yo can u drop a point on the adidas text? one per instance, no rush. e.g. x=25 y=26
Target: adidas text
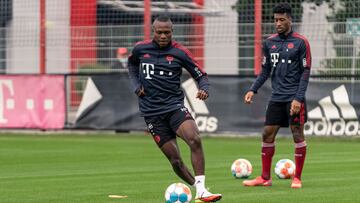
x=334 y=116
x=337 y=128
x=207 y=123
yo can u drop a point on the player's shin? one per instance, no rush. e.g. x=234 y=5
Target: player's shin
x=267 y=152
x=300 y=154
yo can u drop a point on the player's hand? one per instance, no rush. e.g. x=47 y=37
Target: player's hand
x=295 y=107
x=140 y=92
x=202 y=95
x=248 y=97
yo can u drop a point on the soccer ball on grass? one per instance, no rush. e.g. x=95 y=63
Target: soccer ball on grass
x=178 y=193
x=241 y=168
x=285 y=169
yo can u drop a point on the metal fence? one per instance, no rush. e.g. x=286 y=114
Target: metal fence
x=84 y=38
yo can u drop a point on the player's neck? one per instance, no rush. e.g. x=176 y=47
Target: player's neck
x=286 y=34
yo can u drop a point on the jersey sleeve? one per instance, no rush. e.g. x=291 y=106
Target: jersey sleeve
x=265 y=71
x=305 y=56
x=193 y=67
x=133 y=66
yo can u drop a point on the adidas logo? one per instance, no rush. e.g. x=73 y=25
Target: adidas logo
x=334 y=116
x=198 y=108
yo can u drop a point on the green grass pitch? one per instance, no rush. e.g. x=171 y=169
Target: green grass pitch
x=69 y=168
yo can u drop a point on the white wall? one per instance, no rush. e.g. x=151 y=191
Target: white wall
x=221 y=39
x=23 y=33
x=23 y=40
x=316 y=28
x=58 y=36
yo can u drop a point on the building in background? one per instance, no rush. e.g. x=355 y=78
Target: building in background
x=47 y=36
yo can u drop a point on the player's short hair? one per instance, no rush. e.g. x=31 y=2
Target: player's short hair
x=283 y=8
x=162 y=18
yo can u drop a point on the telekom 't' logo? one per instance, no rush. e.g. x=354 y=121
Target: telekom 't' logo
x=5 y=84
x=148 y=69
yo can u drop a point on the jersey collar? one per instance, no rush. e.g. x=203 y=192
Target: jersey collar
x=283 y=36
x=158 y=46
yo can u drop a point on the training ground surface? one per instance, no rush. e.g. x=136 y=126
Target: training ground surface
x=87 y=168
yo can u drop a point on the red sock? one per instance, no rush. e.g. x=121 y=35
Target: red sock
x=267 y=152
x=300 y=153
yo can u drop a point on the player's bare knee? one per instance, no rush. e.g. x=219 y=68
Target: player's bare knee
x=298 y=138
x=195 y=142
x=269 y=134
x=268 y=138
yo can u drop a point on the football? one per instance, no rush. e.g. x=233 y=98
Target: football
x=178 y=193
x=241 y=168
x=285 y=169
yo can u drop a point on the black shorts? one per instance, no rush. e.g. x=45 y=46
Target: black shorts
x=163 y=127
x=278 y=113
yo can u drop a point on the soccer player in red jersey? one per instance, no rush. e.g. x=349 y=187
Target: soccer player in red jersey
x=287 y=56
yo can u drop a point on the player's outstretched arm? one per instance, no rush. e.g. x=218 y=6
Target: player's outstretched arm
x=204 y=87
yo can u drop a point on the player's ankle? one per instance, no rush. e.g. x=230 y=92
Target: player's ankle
x=203 y=192
x=265 y=177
